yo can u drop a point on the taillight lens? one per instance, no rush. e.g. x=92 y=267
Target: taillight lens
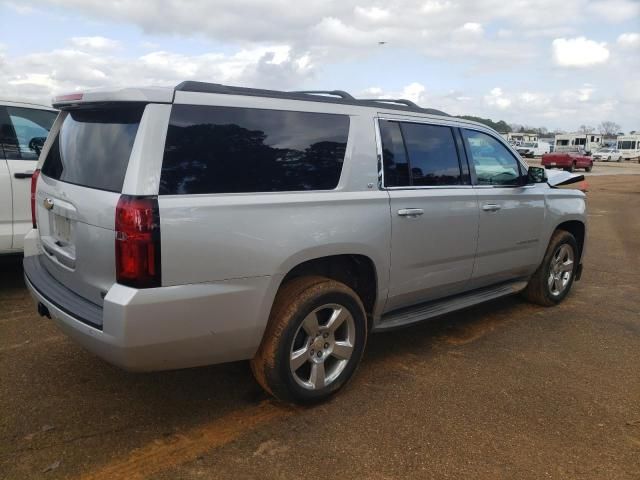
x=138 y=242
x=34 y=184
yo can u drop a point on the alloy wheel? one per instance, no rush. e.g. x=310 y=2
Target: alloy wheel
x=561 y=270
x=322 y=346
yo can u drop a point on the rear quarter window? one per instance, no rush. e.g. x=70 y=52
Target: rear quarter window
x=93 y=146
x=233 y=150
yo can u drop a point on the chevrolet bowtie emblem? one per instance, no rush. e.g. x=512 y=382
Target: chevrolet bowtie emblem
x=48 y=203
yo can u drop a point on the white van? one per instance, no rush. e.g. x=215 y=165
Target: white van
x=533 y=149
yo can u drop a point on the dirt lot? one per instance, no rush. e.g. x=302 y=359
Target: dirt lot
x=626 y=167
x=504 y=390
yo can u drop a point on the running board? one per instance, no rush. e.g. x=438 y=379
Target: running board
x=424 y=311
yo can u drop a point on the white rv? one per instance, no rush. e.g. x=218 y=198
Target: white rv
x=589 y=142
x=629 y=145
x=517 y=138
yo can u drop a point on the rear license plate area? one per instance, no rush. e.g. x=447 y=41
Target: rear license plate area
x=62 y=229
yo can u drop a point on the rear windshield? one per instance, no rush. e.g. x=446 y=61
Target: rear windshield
x=239 y=150
x=93 y=146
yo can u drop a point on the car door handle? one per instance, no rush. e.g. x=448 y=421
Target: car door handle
x=491 y=207
x=23 y=174
x=410 y=212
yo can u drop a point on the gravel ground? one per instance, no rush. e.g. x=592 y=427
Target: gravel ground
x=502 y=390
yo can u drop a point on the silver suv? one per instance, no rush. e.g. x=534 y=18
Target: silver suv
x=205 y=223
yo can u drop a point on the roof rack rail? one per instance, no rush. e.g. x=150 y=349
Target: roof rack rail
x=400 y=101
x=324 y=96
x=335 y=93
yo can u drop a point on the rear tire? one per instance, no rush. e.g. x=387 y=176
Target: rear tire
x=553 y=280
x=572 y=167
x=588 y=169
x=313 y=342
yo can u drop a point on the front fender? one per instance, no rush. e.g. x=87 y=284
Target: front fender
x=562 y=205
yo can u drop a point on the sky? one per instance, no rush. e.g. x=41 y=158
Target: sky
x=553 y=63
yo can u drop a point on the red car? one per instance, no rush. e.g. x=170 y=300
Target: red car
x=567 y=160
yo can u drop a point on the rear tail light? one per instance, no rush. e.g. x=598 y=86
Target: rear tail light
x=34 y=183
x=138 y=242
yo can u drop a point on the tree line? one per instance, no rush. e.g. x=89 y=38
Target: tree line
x=606 y=128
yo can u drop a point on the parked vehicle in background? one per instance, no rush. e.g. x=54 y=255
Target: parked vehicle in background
x=608 y=154
x=23 y=130
x=518 y=138
x=568 y=160
x=206 y=223
x=533 y=149
x=629 y=145
x=589 y=142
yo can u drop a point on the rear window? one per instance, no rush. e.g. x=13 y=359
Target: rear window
x=419 y=155
x=94 y=146
x=232 y=150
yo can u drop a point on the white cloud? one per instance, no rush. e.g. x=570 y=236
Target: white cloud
x=334 y=32
x=372 y=92
x=39 y=76
x=431 y=27
x=579 y=52
x=534 y=99
x=615 y=11
x=496 y=98
x=581 y=94
x=415 y=92
x=472 y=27
x=629 y=40
x=435 y=6
x=95 y=43
x=373 y=14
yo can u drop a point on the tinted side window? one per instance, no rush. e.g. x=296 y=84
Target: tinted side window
x=394 y=157
x=31 y=127
x=231 y=150
x=432 y=154
x=493 y=163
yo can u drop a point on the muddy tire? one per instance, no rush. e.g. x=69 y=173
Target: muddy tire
x=551 y=283
x=313 y=342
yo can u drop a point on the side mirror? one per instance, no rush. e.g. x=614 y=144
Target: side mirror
x=536 y=175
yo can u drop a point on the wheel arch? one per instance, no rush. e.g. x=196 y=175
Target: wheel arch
x=356 y=270
x=578 y=230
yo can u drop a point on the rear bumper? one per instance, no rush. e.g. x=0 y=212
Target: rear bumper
x=162 y=328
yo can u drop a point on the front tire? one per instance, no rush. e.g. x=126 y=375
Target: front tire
x=313 y=342
x=589 y=168
x=554 y=278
